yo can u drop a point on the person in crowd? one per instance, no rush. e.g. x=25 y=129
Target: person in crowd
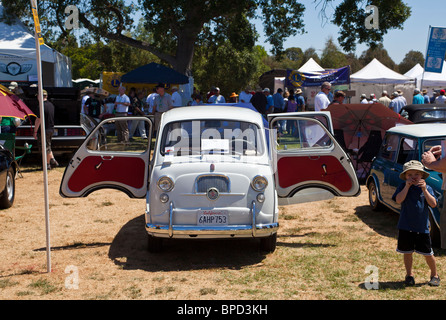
x=245 y=96
x=269 y=101
x=259 y=102
x=321 y=100
x=373 y=98
x=417 y=97
x=415 y=198
x=291 y=106
x=149 y=101
x=48 y=110
x=435 y=94
x=217 y=97
x=401 y=94
x=198 y=100
x=177 y=101
x=210 y=93
x=138 y=111
x=87 y=96
x=397 y=102
x=161 y=103
x=384 y=99
x=122 y=103
x=300 y=100
x=233 y=98
x=339 y=97
x=441 y=98
x=94 y=107
x=279 y=102
x=364 y=99
x=425 y=96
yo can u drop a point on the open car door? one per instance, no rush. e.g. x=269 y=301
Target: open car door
x=103 y=161
x=309 y=164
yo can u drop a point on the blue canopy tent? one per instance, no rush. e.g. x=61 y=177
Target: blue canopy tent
x=154 y=73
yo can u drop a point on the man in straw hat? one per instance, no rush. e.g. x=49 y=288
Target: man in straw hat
x=415 y=197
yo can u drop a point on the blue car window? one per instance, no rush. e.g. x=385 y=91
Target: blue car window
x=389 y=147
x=408 y=150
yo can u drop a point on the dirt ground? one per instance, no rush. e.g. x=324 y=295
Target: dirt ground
x=99 y=251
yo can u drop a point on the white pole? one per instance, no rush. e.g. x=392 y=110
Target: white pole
x=39 y=41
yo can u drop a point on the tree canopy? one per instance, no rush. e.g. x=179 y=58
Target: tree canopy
x=176 y=27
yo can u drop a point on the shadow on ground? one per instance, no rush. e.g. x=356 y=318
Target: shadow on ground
x=129 y=250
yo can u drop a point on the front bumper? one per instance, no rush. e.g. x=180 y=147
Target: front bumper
x=228 y=231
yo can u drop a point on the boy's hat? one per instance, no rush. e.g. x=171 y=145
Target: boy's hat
x=413 y=165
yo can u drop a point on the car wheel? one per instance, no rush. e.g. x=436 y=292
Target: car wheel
x=268 y=244
x=8 y=194
x=155 y=245
x=373 y=197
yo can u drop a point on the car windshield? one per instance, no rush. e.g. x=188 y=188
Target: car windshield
x=213 y=136
x=430 y=114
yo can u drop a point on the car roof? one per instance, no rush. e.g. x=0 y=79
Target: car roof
x=421 y=130
x=415 y=107
x=212 y=112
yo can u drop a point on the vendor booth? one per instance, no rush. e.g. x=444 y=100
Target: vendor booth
x=148 y=76
x=18 y=57
x=376 y=77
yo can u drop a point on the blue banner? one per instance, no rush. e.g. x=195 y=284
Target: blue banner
x=305 y=79
x=436 y=50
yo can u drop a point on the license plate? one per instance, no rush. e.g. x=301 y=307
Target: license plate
x=212 y=217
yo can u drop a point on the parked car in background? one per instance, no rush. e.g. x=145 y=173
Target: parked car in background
x=402 y=144
x=71 y=128
x=422 y=113
x=216 y=171
x=8 y=169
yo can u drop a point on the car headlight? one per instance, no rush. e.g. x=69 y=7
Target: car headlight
x=259 y=183
x=165 y=183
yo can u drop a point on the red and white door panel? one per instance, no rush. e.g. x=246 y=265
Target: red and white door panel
x=309 y=164
x=106 y=160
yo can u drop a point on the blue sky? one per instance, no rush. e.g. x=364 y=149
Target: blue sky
x=397 y=42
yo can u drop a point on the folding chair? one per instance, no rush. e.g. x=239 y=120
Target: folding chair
x=8 y=141
x=368 y=151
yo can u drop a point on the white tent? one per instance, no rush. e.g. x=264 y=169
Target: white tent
x=376 y=72
x=433 y=79
x=18 y=56
x=311 y=66
x=416 y=73
x=375 y=78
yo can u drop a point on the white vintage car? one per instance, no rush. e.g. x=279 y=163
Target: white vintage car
x=216 y=171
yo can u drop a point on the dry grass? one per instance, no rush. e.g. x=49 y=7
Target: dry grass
x=323 y=251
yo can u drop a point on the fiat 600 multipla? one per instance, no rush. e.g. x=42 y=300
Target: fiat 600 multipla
x=216 y=171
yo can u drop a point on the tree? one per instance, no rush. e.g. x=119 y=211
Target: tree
x=332 y=57
x=380 y=54
x=177 y=26
x=410 y=60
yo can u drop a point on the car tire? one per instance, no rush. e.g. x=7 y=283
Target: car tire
x=373 y=197
x=268 y=244
x=154 y=244
x=8 y=194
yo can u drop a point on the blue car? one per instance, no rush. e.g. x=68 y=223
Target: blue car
x=401 y=144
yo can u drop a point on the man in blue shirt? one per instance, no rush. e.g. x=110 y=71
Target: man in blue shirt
x=269 y=101
x=417 y=97
x=279 y=102
x=397 y=103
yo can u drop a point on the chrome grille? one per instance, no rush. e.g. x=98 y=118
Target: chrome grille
x=212 y=181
